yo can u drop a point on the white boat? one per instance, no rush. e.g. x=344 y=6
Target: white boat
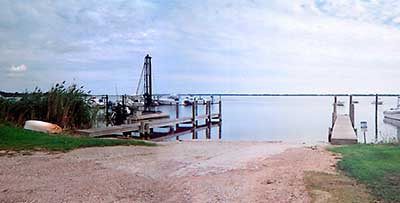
x=393 y=113
x=170 y=100
x=93 y=101
x=42 y=126
x=380 y=102
x=187 y=101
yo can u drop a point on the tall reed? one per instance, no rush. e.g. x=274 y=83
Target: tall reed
x=63 y=105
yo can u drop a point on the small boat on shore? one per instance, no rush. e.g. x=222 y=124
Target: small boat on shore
x=42 y=126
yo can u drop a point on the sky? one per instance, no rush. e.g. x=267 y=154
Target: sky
x=202 y=46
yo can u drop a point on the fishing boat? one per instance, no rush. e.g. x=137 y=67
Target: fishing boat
x=393 y=113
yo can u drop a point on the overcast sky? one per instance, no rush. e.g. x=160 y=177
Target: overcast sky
x=274 y=46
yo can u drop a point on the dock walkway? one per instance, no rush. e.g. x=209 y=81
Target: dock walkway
x=343 y=132
x=142 y=126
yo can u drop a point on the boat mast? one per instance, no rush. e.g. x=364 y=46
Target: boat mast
x=147 y=95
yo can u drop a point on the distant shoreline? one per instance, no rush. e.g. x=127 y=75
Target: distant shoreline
x=18 y=94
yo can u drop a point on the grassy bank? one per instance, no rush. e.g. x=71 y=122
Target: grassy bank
x=12 y=138
x=377 y=166
x=335 y=188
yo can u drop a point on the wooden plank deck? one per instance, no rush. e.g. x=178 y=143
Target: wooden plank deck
x=343 y=132
x=135 y=127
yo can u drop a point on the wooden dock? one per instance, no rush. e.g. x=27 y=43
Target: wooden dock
x=342 y=131
x=145 y=127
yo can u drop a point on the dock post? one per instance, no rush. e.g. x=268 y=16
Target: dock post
x=220 y=110
x=334 y=113
x=141 y=129
x=177 y=114
x=194 y=113
x=219 y=131
x=376 y=117
x=106 y=110
x=208 y=132
x=351 y=110
x=197 y=113
x=193 y=134
x=209 y=112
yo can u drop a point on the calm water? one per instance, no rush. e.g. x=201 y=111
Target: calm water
x=291 y=118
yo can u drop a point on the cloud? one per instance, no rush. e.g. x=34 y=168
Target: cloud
x=246 y=46
x=19 y=69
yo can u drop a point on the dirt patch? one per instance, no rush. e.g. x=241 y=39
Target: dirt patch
x=189 y=171
x=335 y=188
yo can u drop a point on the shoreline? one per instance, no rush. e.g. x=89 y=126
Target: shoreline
x=187 y=171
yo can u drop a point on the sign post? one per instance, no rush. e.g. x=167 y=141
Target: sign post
x=364 y=129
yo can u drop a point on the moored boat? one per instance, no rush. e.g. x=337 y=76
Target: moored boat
x=340 y=103
x=380 y=102
x=393 y=113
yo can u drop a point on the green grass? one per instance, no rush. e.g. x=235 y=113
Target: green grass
x=17 y=139
x=377 y=166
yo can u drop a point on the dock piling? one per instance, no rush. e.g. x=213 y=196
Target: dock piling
x=177 y=114
x=194 y=113
x=209 y=112
x=376 y=117
x=220 y=110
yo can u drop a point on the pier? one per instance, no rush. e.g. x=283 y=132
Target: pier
x=146 y=127
x=342 y=130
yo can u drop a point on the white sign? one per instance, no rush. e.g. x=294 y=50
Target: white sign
x=364 y=126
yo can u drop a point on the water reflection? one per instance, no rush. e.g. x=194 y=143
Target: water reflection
x=287 y=118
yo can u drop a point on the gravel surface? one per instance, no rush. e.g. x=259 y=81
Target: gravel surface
x=188 y=171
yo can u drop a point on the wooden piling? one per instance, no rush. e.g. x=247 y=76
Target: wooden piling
x=197 y=113
x=220 y=110
x=219 y=131
x=106 y=109
x=194 y=113
x=351 y=110
x=142 y=129
x=376 y=117
x=193 y=134
x=208 y=132
x=209 y=112
x=177 y=114
x=334 y=113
